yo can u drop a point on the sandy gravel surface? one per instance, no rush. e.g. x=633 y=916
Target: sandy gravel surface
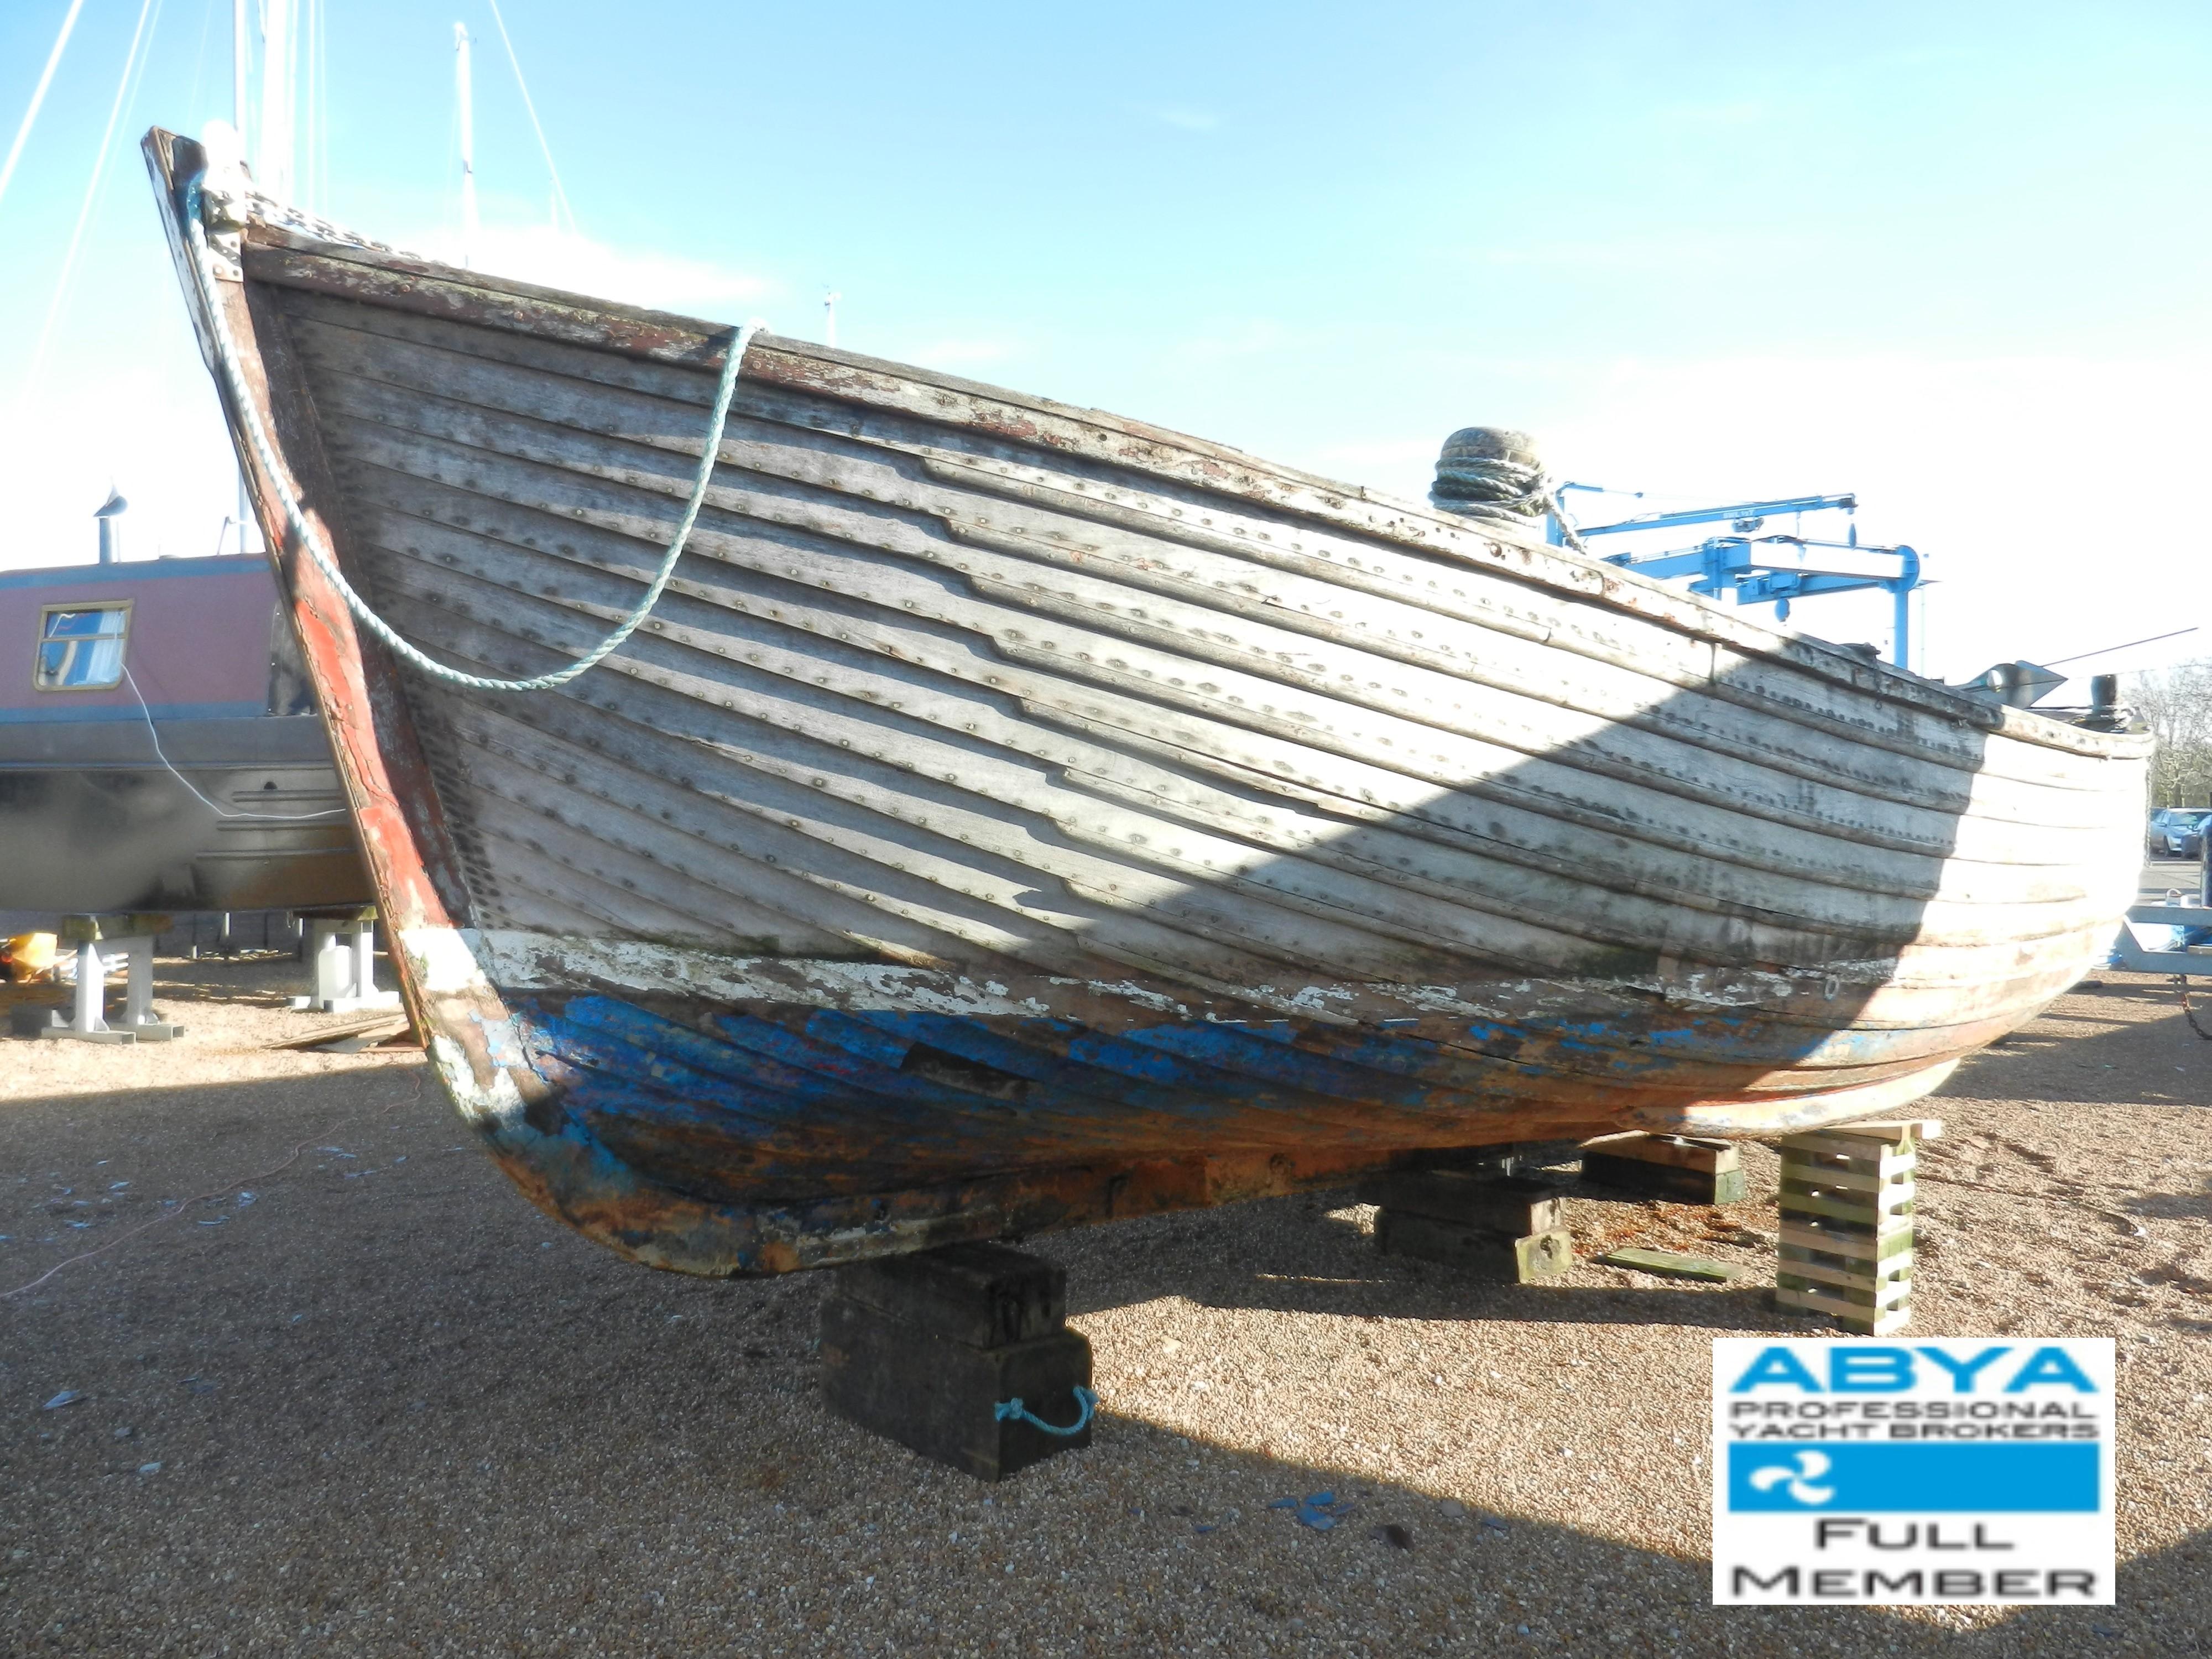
x=386 y=1408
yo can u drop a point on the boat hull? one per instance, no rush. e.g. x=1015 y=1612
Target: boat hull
x=89 y=831
x=1012 y=816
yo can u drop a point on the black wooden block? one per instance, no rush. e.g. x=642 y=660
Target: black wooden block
x=1523 y=1261
x=1515 y=1205
x=1629 y=1174
x=983 y=1295
x=938 y=1396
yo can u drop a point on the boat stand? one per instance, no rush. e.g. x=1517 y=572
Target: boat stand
x=98 y=939
x=1501 y=1226
x=1847 y=1203
x=1676 y=1166
x=342 y=946
x=961 y=1354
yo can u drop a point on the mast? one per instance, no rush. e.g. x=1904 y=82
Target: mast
x=272 y=169
x=238 y=72
x=240 y=97
x=461 y=92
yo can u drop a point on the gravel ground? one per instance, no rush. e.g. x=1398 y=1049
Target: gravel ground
x=382 y=1405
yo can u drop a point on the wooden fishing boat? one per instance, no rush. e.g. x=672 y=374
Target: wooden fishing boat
x=1012 y=816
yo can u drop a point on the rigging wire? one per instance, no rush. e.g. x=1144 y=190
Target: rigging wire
x=559 y=190
x=2083 y=656
x=134 y=66
x=38 y=97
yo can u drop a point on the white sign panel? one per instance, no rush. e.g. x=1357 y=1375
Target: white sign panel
x=1913 y=1472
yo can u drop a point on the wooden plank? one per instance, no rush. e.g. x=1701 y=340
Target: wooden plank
x=1680 y=1151
x=1673 y=1264
x=1898 y=1201
x=1852 y=1243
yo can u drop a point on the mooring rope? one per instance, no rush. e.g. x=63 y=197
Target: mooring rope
x=296 y=520
x=1013 y=1411
x=1492 y=487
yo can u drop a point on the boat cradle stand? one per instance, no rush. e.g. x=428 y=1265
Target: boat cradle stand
x=98 y=939
x=960 y=1353
x=1848 y=1200
x=341 y=946
x=1481 y=1217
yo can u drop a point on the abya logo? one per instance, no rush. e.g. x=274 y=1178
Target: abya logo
x=1796 y=1477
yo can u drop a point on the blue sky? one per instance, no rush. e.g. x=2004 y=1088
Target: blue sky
x=1953 y=258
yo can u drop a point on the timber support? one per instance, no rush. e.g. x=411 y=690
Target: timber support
x=1676 y=1166
x=1847 y=1203
x=961 y=1354
x=1506 y=1227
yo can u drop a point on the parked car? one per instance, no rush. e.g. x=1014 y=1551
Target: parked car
x=2177 y=832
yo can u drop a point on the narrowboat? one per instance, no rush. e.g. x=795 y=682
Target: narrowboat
x=158 y=747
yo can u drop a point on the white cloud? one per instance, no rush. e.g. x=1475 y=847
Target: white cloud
x=557 y=258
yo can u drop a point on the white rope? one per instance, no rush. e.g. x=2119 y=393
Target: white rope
x=131 y=680
x=258 y=438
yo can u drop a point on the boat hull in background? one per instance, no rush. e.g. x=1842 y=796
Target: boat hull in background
x=1013 y=815
x=215 y=793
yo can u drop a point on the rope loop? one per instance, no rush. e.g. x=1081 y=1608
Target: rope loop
x=226 y=351
x=1013 y=1411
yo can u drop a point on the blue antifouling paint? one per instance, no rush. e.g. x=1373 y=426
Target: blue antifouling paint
x=1914 y=1477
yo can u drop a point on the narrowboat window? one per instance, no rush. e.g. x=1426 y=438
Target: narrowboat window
x=80 y=646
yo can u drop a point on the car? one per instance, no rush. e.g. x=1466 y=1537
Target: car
x=2177 y=832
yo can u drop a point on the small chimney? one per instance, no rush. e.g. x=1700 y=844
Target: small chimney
x=111 y=528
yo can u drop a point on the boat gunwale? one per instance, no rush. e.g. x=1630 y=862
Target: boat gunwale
x=698 y=343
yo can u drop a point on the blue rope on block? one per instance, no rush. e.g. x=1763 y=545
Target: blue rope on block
x=1013 y=1411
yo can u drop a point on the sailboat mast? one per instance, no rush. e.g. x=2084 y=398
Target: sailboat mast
x=272 y=169
x=468 y=127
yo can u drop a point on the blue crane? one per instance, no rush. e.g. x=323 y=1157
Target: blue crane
x=1760 y=570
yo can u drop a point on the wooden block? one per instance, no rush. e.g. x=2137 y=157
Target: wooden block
x=1835 y=1176
x=1843 y=1306
x=1850 y=1245
x=1681 y=1152
x=1866 y=1321
x=1514 y=1205
x=939 y=1396
x=1871 y=1209
x=983 y=1295
x=1683 y=1183
x=1870 y=1279
x=1674 y=1264
x=1525 y=1261
x=1891 y=1130
x=123 y=924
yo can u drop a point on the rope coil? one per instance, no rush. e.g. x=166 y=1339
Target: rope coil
x=295 y=518
x=1499 y=487
x=1013 y=1411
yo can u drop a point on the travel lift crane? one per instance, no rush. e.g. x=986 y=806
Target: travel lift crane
x=1776 y=569
x=1780 y=569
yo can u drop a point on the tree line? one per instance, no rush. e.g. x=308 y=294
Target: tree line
x=2176 y=704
